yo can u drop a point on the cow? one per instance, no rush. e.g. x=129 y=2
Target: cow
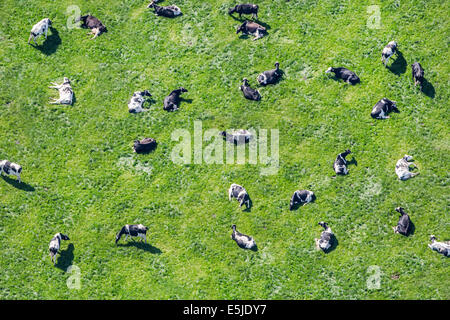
x=65 y=92
x=417 y=74
x=237 y=137
x=381 y=109
x=168 y=11
x=91 y=22
x=245 y=9
x=10 y=168
x=137 y=101
x=55 y=244
x=253 y=28
x=172 y=101
x=326 y=237
x=270 y=76
x=403 y=225
x=301 y=197
x=388 y=51
x=340 y=164
x=145 y=145
x=132 y=230
x=40 y=28
x=241 y=195
x=242 y=240
x=344 y=74
x=402 y=168
x=249 y=93
x=441 y=247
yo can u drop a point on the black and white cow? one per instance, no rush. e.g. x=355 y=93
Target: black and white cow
x=388 y=51
x=237 y=137
x=326 y=237
x=55 y=244
x=241 y=195
x=441 y=247
x=40 y=28
x=253 y=28
x=145 y=145
x=137 y=101
x=403 y=225
x=242 y=240
x=340 y=164
x=245 y=9
x=344 y=74
x=91 y=22
x=402 y=168
x=249 y=93
x=10 y=168
x=172 y=101
x=168 y=11
x=65 y=92
x=417 y=74
x=133 y=230
x=382 y=108
x=270 y=76
x=301 y=197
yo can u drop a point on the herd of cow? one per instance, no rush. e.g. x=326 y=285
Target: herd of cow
x=171 y=103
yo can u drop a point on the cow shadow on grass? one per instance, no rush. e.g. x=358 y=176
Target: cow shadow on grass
x=298 y=205
x=241 y=20
x=398 y=67
x=18 y=185
x=65 y=258
x=353 y=162
x=141 y=245
x=249 y=208
x=51 y=44
x=428 y=89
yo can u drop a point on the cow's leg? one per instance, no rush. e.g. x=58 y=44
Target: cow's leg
x=29 y=39
x=18 y=176
x=46 y=30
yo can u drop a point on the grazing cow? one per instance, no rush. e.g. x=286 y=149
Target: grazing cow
x=382 y=108
x=441 y=247
x=245 y=9
x=241 y=195
x=403 y=224
x=249 y=93
x=301 y=197
x=145 y=145
x=133 y=230
x=242 y=240
x=417 y=74
x=326 y=237
x=168 y=11
x=340 y=164
x=172 y=101
x=10 y=168
x=91 y=22
x=137 y=101
x=270 y=76
x=65 y=92
x=253 y=28
x=344 y=74
x=237 y=137
x=40 y=28
x=388 y=51
x=55 y=244
x=402 y=168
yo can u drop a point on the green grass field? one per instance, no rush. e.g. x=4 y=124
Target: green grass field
x=80 y=176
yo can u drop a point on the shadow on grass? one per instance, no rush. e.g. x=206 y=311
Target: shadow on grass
x=428 y=89
x=141 y=245
x=19 y=185
x=66 y=258
x=50 y=45
x=298 y=205
x=398 y=67
x=353 y=161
